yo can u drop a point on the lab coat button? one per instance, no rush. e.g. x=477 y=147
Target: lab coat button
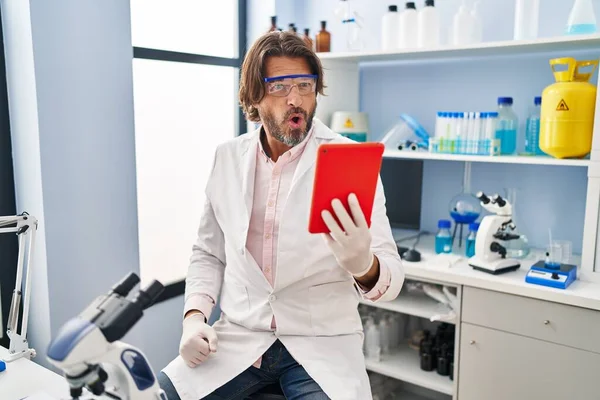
x=272 y=297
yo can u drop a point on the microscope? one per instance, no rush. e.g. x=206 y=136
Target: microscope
x=88 y=351
x=490 y=254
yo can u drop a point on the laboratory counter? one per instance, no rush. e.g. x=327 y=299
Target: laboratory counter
x=454 y=269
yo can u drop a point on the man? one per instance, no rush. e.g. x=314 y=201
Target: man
x=288 y=298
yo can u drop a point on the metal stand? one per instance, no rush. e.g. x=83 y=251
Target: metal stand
x=23 y=225
x=460 y=237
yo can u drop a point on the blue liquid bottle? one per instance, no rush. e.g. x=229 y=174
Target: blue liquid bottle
x=532 y=130
x=470 y=242
x=443 y=239
x=506 y=128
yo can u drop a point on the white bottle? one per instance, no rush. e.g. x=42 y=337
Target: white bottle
x=526 y=19
x=428 y=25
x=390 y=25
x=476 y=25
x=408 y=27
x=582 y=19
x=462 y=27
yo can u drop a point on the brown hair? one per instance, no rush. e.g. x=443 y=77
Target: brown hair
x=272 y=44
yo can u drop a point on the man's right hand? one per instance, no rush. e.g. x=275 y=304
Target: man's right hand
x=197 y=341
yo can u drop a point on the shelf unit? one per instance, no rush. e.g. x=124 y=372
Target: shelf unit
x=419 y=305
x=529 y=160
x=343 y=93
x=404 y=365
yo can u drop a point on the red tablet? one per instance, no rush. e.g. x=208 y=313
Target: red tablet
x=341 y=169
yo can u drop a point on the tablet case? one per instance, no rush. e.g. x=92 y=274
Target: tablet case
x=341 y=169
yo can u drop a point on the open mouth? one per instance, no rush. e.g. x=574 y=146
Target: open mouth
x=295 y=121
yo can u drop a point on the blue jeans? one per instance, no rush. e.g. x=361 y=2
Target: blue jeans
x=277 y=366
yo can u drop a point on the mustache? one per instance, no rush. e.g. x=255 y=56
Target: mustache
x=296 y=110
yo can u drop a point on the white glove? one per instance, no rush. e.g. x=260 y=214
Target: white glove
x=197 y=341
x=351 y=243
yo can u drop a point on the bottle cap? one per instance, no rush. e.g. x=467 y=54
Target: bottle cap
x=537 y=100
x=493 y=114
x=393 y=8
x=505 y=101
x=474 y=226
x=429 y=3
x=323 y=24
x=410 y=5
x=444 y=223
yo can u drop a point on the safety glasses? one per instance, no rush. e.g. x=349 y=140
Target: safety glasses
x=281 y=86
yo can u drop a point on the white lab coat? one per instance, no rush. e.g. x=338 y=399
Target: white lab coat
x=314 y=300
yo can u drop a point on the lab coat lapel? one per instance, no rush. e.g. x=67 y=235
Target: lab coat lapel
x=248 y=170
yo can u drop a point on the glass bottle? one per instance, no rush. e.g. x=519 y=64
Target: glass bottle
x=323 y=39
x=532 y=129
x=516 y=248
x=273 y=27
x=307 y=38
x=443 y=239
x=506 y=128
x=470 y=247
x=292 y=28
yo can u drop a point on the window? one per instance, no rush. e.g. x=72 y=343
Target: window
x=187 y=55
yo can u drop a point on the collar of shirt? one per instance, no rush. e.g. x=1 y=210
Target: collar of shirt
x=294 y=152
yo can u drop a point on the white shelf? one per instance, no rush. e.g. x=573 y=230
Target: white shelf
x=404 y=365
x=529 y=160
x=419 y=305
x=558 y=44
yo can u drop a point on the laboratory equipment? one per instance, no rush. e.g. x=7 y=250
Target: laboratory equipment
x=464 y=209
x=428 y=23
x=465 y=133
x=555 y=271
x=307 y=39
x=25 y=227
x=88 y=350
x=408 y=29
x=353 y=125
x=506 y=129
x=532 y=129
x=470 y=242
x=352 y=23
x=390 y=24
x=406 y=134
x=582 y=19
x=462 y=26
x=517 y=247
x=372 y=340
x=323 y=39
x=2 y=366
x=568 y=106
x=292 y=28
x=274 y=27
x=490 y=254
x=526 y=19
x=477 y=24
x=443 y=238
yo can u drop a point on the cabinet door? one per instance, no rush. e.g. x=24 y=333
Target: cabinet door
x=496 y=365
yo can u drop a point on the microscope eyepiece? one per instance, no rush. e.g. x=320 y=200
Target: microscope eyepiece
x=126 y=285
x=145 y=298
x=499 y=200
x=483 y=198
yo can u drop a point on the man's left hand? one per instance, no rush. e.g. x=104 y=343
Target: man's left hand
x=350 y=243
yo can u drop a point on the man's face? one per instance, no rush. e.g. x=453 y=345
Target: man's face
x=288 y=117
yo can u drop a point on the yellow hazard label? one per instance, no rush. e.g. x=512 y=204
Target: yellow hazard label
x=349 y=123
x=562 y=106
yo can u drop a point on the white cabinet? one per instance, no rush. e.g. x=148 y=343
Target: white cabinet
x=496 y=365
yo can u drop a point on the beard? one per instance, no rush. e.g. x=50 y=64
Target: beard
x=282 y=132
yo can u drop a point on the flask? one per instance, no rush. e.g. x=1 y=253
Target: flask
x=470 y=247
x=428 y=25
x=506 y=127
x=582 y=19
x=390 y=23
x=443 y=239
x=532 y=129
x=323 y=39
x=408 y=27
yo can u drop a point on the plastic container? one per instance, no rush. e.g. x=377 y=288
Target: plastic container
x=462 y=27
x=532 y=129
x=526 y=19
x=406 y=134
x=428 y=23
x=470 y=242
x=372 y=340
x=408 y=29
x=506 y=126
x=390 y=25
x=443 y=239
x=476 y=25
x=582 y=19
